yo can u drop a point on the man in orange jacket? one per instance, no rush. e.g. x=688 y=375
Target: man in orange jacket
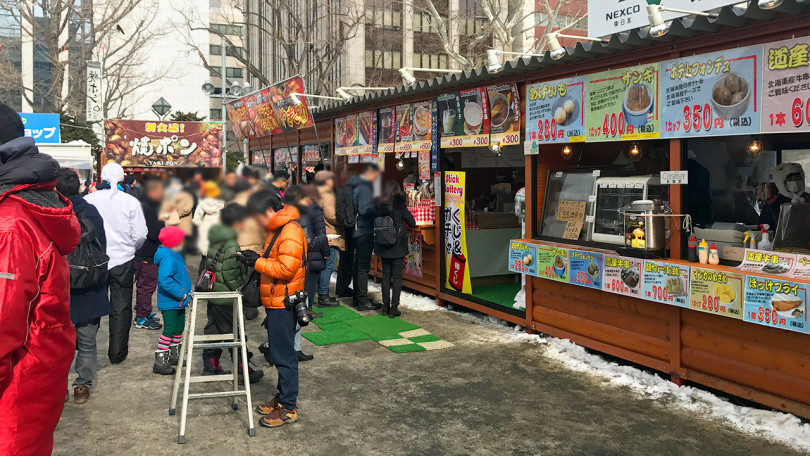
x=282 y=272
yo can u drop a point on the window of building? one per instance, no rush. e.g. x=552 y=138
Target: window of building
x=380 y=58
x=430 y=60
x=384 y=18
x=232 y=51
x=226 y=29
x=230 y=72
x=425 y=23
x=473 y=26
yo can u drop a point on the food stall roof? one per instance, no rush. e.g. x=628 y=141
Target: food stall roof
x=730 y=16
x=75 y=154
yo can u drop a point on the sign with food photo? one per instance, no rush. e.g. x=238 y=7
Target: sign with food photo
x=386 y=128
x=786 y=86
x=421 y=129
x=554 y=113
x=345 y=135
x=464 y=118
x=552 y=263
x=712 y=94
x=455 y=233
x=523 y=258
x=665 y=283
x=263 y=117
x=622 y=275
x=237 y=114
x=365 y=133
x=163 y=144
x=717 y=292
x=586 y=268
x=622 y=105
x=404 y=128
x=504 y=114
x=776 y=303
x=290 y=115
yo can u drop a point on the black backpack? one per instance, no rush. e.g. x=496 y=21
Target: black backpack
x=88 y=262
x=385 y=231
x=344 y=206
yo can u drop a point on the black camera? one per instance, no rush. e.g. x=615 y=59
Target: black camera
x=298 y=302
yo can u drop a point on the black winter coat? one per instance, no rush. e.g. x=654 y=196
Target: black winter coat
x=89 y=303
x=315 y=230
x=153 y=224
x=402 y=217
x=363 y=202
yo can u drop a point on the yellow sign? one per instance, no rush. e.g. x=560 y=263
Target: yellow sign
x=455 y=234
x=717 y=292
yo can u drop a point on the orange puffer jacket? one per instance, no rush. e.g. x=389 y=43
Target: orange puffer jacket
x=282 y=271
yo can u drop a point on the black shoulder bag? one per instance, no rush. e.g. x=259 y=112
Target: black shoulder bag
x=250 y=291
x=208 y=276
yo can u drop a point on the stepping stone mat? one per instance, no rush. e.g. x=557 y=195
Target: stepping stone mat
x=341 y=324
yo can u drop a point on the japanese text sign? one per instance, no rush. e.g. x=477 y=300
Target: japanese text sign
x=666 y=283
x=786 y=86
x=504 y=114
x=464 y=118
x=455 y=233
x=622 y=275
x=606 y=17
x=712 y=94
x=622 y=104
x=555 y=112
x=94 y=93
x=767 y=262
x=552 y=263
x=44 y=128
x=161 y=144
x=717 y=292
x=776 y=303
x=523 y=258
x=586 y=268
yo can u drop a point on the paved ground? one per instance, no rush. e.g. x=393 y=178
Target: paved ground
x=478 y=397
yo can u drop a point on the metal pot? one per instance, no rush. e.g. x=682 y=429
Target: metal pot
x=645 y=224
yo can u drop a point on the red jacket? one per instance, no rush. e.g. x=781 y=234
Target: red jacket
x=37 y=339
x=282 y=271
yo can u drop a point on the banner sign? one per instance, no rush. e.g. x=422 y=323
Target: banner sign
x=262 y=116
x=786 y=86
x=387 y=126
x=665 y=283
x=94 y=93
x=622 y=104
x=555 y=113
x=504 y=114
x=712 y=94
x=237 y=114
x=271 y=110
x=464 y=118
x=778 y=303
x=717 y=292
x=455 y=233
x=161 y=144
x=44 y=128
x=606 y=17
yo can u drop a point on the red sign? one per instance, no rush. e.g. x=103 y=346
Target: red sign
x=270 y=111
x=163 y=144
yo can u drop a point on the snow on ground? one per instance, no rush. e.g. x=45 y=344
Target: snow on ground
x=776 y=426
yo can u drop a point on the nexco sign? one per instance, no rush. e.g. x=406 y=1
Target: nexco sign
x=606 y=17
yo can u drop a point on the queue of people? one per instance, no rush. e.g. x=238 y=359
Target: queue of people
x=136 y=237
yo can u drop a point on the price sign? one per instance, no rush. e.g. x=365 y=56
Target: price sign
x=623 y=105
x=554 y=112
x=712 y=94
x=504 y=114
x=523 y=258
x=586 y=269
x=622 y=275
x=666 y=283
x=571 y=211
x=464 y=118
x=767 y=262
x=786 y=86
x=552 y=263
x=777 y=303
x=572 y=230
x=716 y=292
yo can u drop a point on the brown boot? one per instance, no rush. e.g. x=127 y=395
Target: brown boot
x=279 y=417
x=81 y=394
x=268 y=407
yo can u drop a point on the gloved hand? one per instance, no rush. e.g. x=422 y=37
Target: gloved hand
x=248 y=257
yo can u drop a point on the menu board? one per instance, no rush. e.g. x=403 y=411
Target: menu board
x=414 y=127
x=310 y=153
x=285 y=155
x=712 y=94
x=263 y=118
x=786 y=86
x=555 y=113
x=237 y=113
x=386 y=135
x=586 y=268
x=622 y=105
x=523 y=258
x=665 y=283
x=622 y=275
x=404 y=132
x=504 y=114
x=717 y=292
x=776 y=303
x=464 y=118
x=767 y=262
x=552 y=263
x=354 y=134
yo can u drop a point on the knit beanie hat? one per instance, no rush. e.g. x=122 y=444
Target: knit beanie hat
x=171 y=236
x=211 y=189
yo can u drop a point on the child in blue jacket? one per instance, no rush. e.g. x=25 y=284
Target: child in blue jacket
x=173 y=288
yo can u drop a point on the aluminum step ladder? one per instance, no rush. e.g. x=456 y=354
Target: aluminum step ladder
x=192 y=341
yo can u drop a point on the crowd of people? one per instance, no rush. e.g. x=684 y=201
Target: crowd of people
x=76 y=252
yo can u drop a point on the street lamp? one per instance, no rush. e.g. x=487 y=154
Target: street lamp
x=161 y=108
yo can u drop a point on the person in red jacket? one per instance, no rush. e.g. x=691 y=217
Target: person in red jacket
x=37 y=339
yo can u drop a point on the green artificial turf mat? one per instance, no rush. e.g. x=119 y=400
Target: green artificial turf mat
x=503 y=294
x=335 y=333
x=407 y=348
x=335 y=315
x=381 y=327
x=425 y=338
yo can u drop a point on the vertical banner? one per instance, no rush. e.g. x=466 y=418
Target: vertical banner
x=385 y=135
x=623 y=105
x=435 y=141
x=786 y=86
x=455 y=233
x=237 y=113
x=413 y=262
x=504 y=114
x=95 y=111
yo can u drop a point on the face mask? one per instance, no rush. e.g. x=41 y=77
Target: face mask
x=793 y=186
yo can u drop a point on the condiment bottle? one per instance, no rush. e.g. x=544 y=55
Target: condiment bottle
x=692 y=251
x=765 y=243
x=703 y=252
x=714 y=256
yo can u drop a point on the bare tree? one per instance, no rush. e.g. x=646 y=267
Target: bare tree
x=64 y=34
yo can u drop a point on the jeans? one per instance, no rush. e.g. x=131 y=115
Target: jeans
x=312 y=288
x=297 y=340
x=281 y=325
x=326 y=274
x=146 y=283
x=363 y=246
x=392 y=275
x=345 y=267
x=86 y=354
x=121 y=282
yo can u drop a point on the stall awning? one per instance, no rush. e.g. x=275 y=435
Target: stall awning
x=76 y=154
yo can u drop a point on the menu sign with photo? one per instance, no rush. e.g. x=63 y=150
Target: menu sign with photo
x=354 y=134
x=504 y=114
x=555 y=112
x=776 y=303
x=386 y=127
x=623 y=105
x=263 y=117
x=801 y=269
x=252 y=110
x=786 y=86
x=586 y=268
x=237 y=114
x=415 y=122
x=464 y=118
x=717 y=292
x=665 y=283
x=622 y=275
x=523 y=258
x=767 y=262
x=552 y=263
x=712 y=94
